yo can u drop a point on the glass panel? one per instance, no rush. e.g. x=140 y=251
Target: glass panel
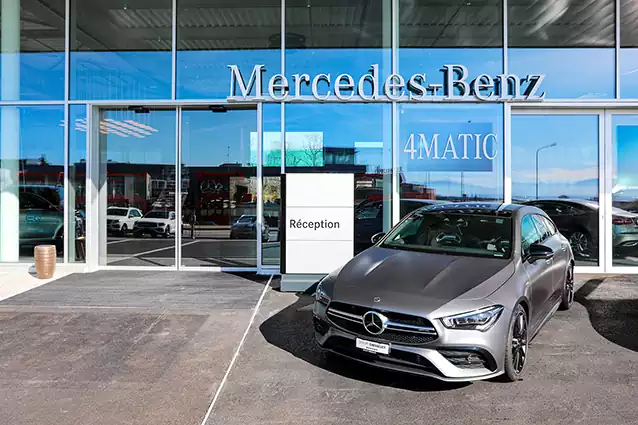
x=624 y=192
x=77 y=183
x=628 y=49
x=139 y=148
x=449 y=153
x=338 y=37
x=121 y=50
x=433 y=33
x=32 y=35
x=271 y=249
x=555 y=168
x=347 y=138
x=212 y=36
x=219 y=196
x=564 y=39
x=31 y=181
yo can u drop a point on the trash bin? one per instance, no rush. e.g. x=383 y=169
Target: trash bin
x=45 y=256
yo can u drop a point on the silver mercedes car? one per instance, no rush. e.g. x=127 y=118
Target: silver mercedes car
x=454 y=292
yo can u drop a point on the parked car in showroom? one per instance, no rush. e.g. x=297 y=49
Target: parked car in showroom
x=453 y=292
x=245 y=227
x=121 y=219
x=578 y=221
x=156 y=223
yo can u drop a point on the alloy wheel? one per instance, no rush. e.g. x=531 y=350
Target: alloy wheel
x=569 y=285
x=580 y=243
x=519 y=342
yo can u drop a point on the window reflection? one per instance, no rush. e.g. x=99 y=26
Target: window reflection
x=121 y=51
x=564 y=150
x=219 y=189
x=32 y=66
x=624 y=192
x=352 y=138
x=450 y=153
x=338 y=37
x=31 y=181
x=628 y=72
x=212 y=36
x=139 y=148
x=271 y=190
x=77 y=183
x=571 y=42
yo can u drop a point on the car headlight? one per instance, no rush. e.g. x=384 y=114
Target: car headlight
x=480 y=320
x=321 y=295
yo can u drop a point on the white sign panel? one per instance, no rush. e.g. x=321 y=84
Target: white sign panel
x=319 y=222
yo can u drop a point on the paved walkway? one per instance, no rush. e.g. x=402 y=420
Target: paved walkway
x=193 y=348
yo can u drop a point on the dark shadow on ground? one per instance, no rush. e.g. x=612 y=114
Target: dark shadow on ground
x=291 y=330
x=614 y=319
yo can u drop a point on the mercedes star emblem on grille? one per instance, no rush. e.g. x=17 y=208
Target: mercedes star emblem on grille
x=377 y=299
x=374 y=322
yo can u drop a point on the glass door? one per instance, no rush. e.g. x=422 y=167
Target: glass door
x=221 y=227
x=622 y=192
x=137 y=220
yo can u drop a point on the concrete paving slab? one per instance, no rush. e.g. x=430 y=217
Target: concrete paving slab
x=582 y=369
x=121 y=347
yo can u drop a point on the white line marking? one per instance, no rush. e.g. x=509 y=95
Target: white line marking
x=153 y=251
x=120 y=241
x=232 y=362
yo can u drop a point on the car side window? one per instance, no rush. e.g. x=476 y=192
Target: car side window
x=529 y=234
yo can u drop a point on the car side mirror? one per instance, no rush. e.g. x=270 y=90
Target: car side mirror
x=377 y=237
x=540 y=252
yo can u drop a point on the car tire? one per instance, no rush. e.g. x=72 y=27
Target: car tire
x=124 y=229
x=568 y=289
x=517 y=345
x=167 y=232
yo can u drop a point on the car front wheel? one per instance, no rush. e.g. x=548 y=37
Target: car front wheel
x=568 y=289
x=517 y=345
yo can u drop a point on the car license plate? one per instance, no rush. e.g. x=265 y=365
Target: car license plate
x=373 y=347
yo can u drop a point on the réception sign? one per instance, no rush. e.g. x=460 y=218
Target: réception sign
x=318 y=222
x=453 y=86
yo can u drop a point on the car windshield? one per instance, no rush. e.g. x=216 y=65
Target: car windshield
x=116 y=211
x=447 y=232
x=246 y=219
x=156 y=214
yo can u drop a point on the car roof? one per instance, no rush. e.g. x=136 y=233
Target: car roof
x=583 y=202
x=488 y=208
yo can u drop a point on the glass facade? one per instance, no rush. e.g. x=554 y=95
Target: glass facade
x=156 y=77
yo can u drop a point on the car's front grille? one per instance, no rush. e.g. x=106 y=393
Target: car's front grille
x=401 y=328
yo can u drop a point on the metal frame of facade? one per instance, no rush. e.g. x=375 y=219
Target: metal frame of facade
x=604 y=108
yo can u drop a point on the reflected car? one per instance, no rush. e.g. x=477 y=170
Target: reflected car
x=578 y=221
x=453 y=292
x=245 y=227
x=156 y=223
x=41 y=222
x=121 y=219
x=368 y=218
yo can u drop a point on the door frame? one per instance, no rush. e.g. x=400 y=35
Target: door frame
x=604 y=231
x=96 y=195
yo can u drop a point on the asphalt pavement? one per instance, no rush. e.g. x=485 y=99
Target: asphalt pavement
x=210 y=348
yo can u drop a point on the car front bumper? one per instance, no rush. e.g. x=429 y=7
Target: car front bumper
x=149 y=230
x=442 y=358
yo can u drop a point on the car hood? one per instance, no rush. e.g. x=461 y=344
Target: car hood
x=417 y=282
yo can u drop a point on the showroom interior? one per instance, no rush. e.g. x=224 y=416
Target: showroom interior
x=120 y=145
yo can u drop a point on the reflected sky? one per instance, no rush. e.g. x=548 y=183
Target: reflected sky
x=568 y=169
x=41 y=76
x=569 y=73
